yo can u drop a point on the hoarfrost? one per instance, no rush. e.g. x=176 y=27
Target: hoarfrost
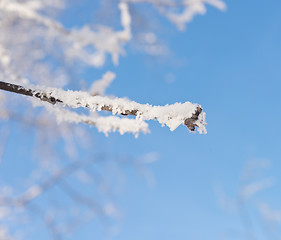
x=103 y=124
x=189 y=9
x=98 y=87
x=170 y=115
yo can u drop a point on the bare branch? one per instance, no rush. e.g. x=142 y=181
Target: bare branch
x=28 y=92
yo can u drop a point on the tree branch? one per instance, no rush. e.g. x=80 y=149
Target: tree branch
x=79 y=99
x=28 y=92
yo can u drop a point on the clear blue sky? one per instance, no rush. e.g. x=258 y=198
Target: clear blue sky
x=230 y=63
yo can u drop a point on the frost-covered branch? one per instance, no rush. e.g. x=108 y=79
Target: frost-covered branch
x=181 y=12
x=189 y=114
x=27 y=199
x=103 y=124
x=98 y=87
x=37 y=189
x=74 y=42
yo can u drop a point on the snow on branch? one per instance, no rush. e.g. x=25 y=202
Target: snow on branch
x=98 y=87
x=75 y=42
x=191 y=9
x=28 y=11
x=181 y=12
x=188 y=114
x=103 y=124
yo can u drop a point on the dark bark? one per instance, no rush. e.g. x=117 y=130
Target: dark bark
x=28 y=92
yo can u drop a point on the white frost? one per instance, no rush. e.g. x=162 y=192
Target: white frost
x=170 y=115
x=181 y=12
x=191 y=9
x=103 y=124
x=75 y=42
x=98 y=87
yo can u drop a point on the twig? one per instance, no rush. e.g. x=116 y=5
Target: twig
x=189 y=122
x=36 y=190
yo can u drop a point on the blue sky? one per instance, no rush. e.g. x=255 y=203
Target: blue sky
x=230 y=63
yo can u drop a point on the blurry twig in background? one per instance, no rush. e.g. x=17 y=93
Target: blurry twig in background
x=248 y=203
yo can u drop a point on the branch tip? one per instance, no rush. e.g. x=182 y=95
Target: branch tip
x=190 y=123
